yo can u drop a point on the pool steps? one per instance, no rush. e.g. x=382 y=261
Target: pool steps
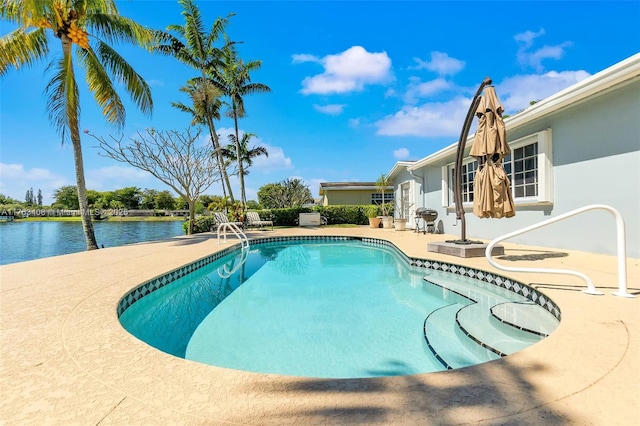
x=486 y=323
x=440 y=329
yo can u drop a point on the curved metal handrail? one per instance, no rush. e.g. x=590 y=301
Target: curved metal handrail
x=244 y=242
x=235 y=229
x=622 y=265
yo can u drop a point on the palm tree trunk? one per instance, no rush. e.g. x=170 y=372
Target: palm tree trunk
x=87 y=224
x=85 y=214
x=223 y=170
x=239 y=158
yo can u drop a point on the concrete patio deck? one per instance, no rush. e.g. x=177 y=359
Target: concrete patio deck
x=65 y=359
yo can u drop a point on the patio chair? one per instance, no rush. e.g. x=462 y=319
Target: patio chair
x=220 y=217
x=253 y=220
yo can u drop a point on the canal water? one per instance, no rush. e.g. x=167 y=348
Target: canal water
x=21 y=241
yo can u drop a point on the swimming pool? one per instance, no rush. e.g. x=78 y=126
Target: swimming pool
x=335 y=307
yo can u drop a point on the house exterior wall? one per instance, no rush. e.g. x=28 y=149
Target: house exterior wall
x=347 y=197
x=595 y=160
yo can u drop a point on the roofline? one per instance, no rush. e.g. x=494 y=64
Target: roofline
x=625 y=71
x=399 y=165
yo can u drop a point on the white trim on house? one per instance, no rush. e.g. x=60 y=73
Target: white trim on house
x=399 y=166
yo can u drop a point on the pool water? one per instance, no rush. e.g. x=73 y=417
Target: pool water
x=344 y=309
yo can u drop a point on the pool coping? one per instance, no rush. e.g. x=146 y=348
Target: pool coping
x=65 y=359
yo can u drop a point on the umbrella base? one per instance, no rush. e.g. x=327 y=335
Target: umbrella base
x=464 y=249
x=464 y=242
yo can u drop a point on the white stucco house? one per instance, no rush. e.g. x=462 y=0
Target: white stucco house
x=578 y=147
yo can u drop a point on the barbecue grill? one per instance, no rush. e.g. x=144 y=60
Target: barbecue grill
x=428 y=217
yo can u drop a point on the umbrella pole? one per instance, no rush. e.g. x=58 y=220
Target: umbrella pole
x=458 y=168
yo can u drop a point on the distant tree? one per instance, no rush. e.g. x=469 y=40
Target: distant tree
x=91 y=26
x=219 y=203
x=164 y=200
x=253 y=205
x=175 y=158
x=130 y=197
x=148 y=199
x=206 y=200
x=4 y=199
x=181 y=203
x=7 y=200
x=66 y=197
x=28 y=200
x=285 y=194
x=104 y=200
x=92 y=197
x=39 y=198
x=297 y=192
x=271 y=196
x=116 y=205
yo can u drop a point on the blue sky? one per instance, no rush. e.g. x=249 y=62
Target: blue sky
x=356 y=86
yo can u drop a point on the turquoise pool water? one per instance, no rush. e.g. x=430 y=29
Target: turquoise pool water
x=328 y=309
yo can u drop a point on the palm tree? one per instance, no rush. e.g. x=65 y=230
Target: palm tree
x=234 y=78
x=198 y=51
x=247 y=155
x=91 y=25
x=205 y=97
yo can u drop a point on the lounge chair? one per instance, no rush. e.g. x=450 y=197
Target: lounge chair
x=220 y=217
x=253 y=220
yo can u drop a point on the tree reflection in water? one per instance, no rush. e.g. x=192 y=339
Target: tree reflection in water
x=292 y=260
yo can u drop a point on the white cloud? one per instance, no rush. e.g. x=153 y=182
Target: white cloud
x=277 y=160
x=401 y=153
x=334 y=109
x=298 y=59
x=15 y=180
x=516 y=92
x=534 y=58
x=354 y=122
x=526 y=38
x=418 y=89
x=429 y=120
x=440 y=63
x=348 y=71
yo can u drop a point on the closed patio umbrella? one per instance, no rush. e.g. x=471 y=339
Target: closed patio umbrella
x=492 y=188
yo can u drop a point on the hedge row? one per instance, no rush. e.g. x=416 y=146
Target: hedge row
x=336 y=215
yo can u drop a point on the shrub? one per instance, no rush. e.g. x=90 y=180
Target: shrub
x=200 y=224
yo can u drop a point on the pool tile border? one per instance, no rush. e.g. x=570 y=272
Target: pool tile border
x=507 y=283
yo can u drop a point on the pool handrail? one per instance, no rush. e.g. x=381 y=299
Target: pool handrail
x=244 y=242
x=621 y=241
x=236 y=230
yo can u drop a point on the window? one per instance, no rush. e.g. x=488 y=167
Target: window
x=376 y=198
x=522 y=168
x=529 y=168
